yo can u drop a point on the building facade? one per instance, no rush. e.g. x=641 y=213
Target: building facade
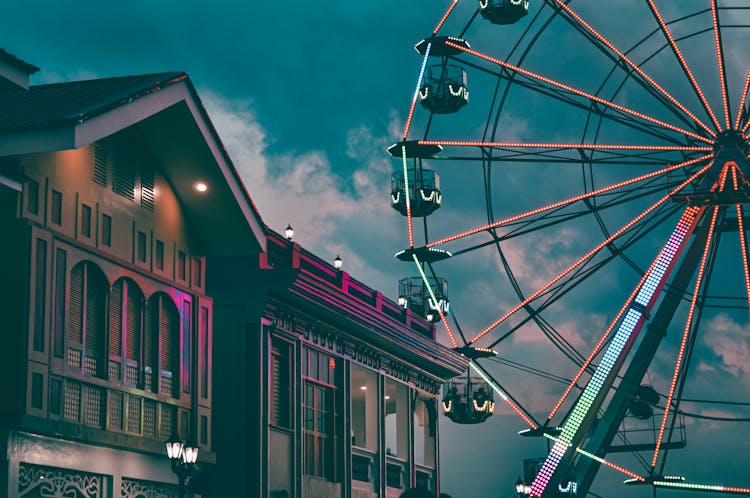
x=107 y=329
x=335 y=385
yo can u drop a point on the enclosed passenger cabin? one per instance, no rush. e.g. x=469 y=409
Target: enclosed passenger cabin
x=468 y=400
x=444 y=91
x=423 y=188
x=414 y=295
x=503 y=11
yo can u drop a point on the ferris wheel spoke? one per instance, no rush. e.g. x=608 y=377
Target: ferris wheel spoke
x=579 y=92
x=720 y=62
x=565 y=202
x=561 y=146
x=741 y=108
x=445 y=16
x=505 y=395
x=574 y=100
x=691 y=312
x=743 y=236
x=634 y=66
x=683 y=62
x=588 y=255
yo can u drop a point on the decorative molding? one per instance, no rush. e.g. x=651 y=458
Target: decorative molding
x=133 y=488
x=50 y=482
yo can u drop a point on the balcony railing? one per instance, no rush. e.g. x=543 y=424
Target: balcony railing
x=395 y=472
x=115 y=409
x=425 y=477
x=363 y=465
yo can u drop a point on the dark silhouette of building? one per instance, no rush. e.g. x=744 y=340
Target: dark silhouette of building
x=113 y=192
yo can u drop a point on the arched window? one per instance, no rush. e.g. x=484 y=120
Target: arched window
x=125 y=332
x=162 y=345
x=89 y=291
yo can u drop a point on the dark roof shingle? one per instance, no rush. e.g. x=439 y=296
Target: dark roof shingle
x=60 y=103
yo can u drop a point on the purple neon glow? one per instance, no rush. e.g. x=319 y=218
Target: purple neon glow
x=629 y=324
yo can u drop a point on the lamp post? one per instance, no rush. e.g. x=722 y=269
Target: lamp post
x=182 y=456
x=522 y=488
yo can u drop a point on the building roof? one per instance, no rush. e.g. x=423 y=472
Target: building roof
x=169 y=112
x=60 y=103
x=16 y=62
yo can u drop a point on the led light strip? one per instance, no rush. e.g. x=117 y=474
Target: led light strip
x=720 y=61
x=701 y=487
x=743 y=242
x=445 y=16
x=416 y=92
x=686 y=333
x=434 y=300
x=588 y=255
x=599 y=345
x=565 y=202
x=460 y=143
x=634 y=66
x=684 y=63
x=502 y=394
x=409 y=222
x=742 y=101
x=599 y=459
x=621 y=338
x=579 y=92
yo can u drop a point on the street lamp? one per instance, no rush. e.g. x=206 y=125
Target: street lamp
x=522 y=488
x=182 y=456
x=289 y=232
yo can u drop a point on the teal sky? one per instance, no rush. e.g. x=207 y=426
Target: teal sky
x=307 y=95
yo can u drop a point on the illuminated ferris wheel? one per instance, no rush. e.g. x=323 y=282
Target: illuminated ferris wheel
x=606 y=152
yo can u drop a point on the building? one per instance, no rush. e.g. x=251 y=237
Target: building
x=113 y=193
x=323 y=387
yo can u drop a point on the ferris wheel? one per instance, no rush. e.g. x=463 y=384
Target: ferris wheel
x=598 y=173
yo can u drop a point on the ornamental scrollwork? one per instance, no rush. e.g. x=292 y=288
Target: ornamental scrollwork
x=49 y=482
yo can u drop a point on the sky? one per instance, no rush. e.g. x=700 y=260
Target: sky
x=306 y=97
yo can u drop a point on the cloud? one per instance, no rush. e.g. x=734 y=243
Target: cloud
x=730 y=341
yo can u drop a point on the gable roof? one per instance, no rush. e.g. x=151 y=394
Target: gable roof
x=59 y=103
x=169 y=112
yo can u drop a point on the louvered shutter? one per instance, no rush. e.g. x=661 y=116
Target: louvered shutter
x=115 y=320
x=133 y=332
x=75 y=309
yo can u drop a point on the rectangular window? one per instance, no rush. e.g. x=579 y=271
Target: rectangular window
x=159 y=255
x=106 y=230
x=203 y=351
x=141 y=247
x=40 y=294
x=56 y=208
x=281 y=390
x=36 y=390
x=55 y=388
x=60 y=283
x=86 y=221
x=204 y=430
x=181 y=262
x=319 y=431
x=187 y=326
x=32 y=197
x=197 y=272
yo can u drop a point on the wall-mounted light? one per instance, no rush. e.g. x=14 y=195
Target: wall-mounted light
x=338 y=262
x=402 y=301
x=289 y=232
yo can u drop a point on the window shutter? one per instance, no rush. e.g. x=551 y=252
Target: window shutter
x=95 y=315
x=124 y=184
x=100 y=164
x=133 y=332
x=115 y=320
x=147 y=188
x=148 y=334
x=75 y=314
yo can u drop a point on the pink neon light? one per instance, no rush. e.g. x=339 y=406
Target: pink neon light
x=742 y=102
x=566 y=202
x=445 y=16
x=461 y=143
x=685 y=335
x=599 y=344
x=579 y=92
x=634 y=66
x=719 y=59
x=684 y=63
x=588 y=255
